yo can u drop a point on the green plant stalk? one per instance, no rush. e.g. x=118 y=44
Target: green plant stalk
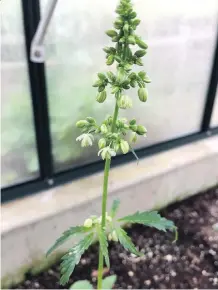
x=104 y=201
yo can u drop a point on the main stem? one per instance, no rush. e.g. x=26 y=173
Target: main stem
x=105 y=185
x=104 y=201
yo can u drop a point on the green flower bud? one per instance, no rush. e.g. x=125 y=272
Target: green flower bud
x=101 y=97
x=140 y=53
x=141 y=130
x=132 y=15
x=124 y=146
x=115 y=89
x=116 y=147
x=133 y=137
x=101 y=88
x=104 y=129
x=115 y=38
x=114 y=236
x=132 y=76
x=143 y=94
x=118 y=23
x=141 y=43
x=131 y=39
x=90 y=120
x=127 y=66
x=102 y=76
x=132 y=122
x=102 y=143
x=147 y=80
x=139 y=62
x=81 y=124
x=88 y=223
x=111 y=76
x=110 y=60
x=133 y=127
x=110 y=50
x=135 y=22
x=122 y=39
x=111 y=33
x=124 y=102
x=117 y=58
x=107 y=49
x=142 y=75
x=133 y=83
x=126 y=28
x=97 y=84
x=121 y=75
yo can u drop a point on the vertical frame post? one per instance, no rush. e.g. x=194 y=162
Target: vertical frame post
x=211 y=92
x=31 y=17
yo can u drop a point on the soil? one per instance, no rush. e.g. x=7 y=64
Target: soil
x=190 y=263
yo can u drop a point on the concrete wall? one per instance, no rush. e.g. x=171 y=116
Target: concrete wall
x=30 y=225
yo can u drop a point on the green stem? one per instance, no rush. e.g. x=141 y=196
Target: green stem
x=103 y=221
x=105 y=187
x=104 y=201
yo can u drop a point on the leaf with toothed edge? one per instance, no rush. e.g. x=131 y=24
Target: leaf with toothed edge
x=104 y=245
x=151 y=219
x=114 y=208
x=66 y=235
x=125 y=240
x=73 y=256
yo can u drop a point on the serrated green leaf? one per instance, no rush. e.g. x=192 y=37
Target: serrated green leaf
x=109 y=282
x=66 y=235
x=151 y=219
x=73 y=256
x=104 y=246
x=125 y=240
x=114 y=208
x=83 y=284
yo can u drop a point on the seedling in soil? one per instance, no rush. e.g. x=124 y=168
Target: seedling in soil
x=112 y=138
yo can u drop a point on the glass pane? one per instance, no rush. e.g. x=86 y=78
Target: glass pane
x=214 y=120
x=181 y=36
x=18 y=150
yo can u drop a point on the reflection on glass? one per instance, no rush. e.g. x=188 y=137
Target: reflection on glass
x=18 y=151
x=181 y=36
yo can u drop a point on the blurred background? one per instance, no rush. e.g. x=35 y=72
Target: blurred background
x=182 y=38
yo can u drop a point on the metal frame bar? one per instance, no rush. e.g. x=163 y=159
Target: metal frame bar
x=31 y=17
x=211 y=92
x=48 y=178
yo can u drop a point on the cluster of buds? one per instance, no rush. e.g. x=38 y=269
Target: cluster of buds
x=94 y=222
x=112 y=132
x=110 y=143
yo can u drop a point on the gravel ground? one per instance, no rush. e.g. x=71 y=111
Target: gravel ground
x=190 y=263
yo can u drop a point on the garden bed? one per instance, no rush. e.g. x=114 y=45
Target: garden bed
x=191 y=262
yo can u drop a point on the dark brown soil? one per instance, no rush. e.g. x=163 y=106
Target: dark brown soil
x=190 y=263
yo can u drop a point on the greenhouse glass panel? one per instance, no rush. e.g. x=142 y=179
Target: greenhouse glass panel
x=18 y=149
x=181 y=38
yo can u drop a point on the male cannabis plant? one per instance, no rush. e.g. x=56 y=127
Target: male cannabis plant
x=112 y=134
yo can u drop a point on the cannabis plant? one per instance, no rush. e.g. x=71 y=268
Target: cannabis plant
x=112 y=133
